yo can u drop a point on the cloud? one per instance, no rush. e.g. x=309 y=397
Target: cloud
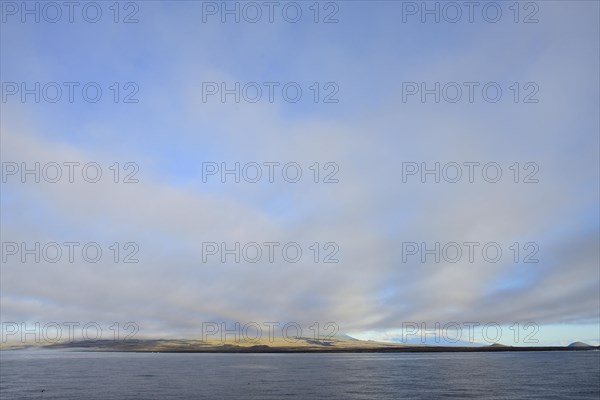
x=369 y=213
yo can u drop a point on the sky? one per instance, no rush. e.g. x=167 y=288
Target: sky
x=368 y=117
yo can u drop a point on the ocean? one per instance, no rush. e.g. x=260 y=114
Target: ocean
x=42 y=374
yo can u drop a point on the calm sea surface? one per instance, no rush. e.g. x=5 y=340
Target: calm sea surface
x=77 y=375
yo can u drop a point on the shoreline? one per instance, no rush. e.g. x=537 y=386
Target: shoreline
x=262 y=349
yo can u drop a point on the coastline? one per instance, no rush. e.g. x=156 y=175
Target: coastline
x=166 y=346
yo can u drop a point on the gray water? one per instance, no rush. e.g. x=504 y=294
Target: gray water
x=78 y=375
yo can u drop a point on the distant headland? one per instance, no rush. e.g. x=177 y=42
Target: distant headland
x=338 y=344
